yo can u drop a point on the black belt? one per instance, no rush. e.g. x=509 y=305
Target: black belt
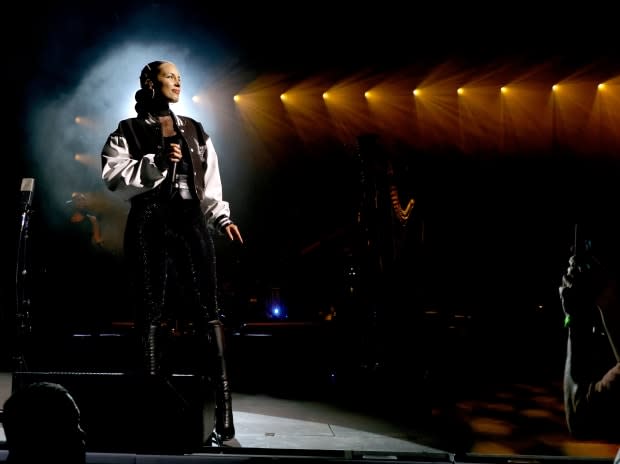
x=182 y=185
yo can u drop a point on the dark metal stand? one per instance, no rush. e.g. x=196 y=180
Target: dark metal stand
x=23 y=281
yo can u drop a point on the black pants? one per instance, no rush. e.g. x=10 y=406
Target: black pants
x=171 y=261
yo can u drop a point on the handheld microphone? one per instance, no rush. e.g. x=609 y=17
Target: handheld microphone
x=173 y=176
x=174 y=172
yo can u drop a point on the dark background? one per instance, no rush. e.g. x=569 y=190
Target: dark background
x=490 y=234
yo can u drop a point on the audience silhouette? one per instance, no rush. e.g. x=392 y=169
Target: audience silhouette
x=41 y=423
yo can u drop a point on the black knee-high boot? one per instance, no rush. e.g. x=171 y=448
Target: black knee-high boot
x=224 y=425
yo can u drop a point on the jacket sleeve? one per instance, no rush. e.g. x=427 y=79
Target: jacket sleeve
x=591 y=403
x=126 y=173
x=216 y=210
x=591 y=380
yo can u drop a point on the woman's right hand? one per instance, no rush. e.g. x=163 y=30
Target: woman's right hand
x=175 y=154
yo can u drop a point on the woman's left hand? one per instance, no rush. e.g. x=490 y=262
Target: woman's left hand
x=233 y=233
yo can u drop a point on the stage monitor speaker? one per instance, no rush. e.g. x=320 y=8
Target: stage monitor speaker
x=137 y=413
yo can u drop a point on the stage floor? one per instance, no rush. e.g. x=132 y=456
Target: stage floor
x=291 y=393
x=518 y=419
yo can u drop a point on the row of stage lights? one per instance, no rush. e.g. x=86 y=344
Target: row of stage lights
x=420 y=92
x=578 y=111
x=611 y=87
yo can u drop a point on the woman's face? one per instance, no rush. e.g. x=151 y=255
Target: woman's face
x=169 y=81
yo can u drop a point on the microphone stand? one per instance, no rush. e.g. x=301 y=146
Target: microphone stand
x=23 y=324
